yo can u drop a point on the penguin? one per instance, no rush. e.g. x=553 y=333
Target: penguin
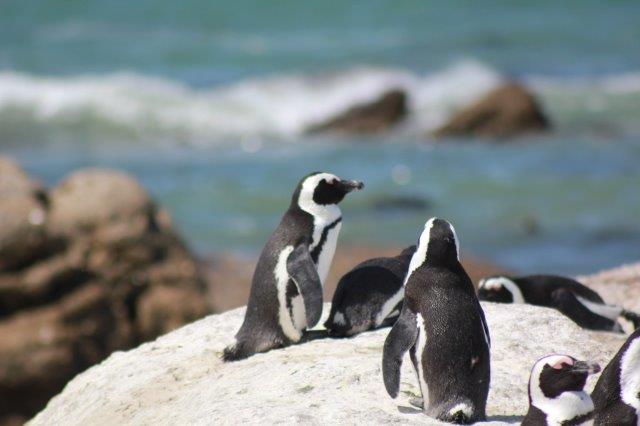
x=556 y=392
x=443 y=326
x=582 y=305
x=364 y=298
x=616 y=396
x=286 y=291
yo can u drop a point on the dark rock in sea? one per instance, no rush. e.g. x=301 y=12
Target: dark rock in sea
x=92 y=267
x=509 y=110
x=376 y=116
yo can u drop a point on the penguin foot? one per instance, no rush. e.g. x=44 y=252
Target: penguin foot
x=310 y=335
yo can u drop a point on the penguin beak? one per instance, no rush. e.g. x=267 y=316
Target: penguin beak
x=585 y=367
x=349 y=185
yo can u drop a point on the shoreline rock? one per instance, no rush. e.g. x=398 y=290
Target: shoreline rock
x=373 y=117
x=90 y=267
x=179 y=378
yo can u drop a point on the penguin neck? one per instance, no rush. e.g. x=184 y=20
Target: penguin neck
x=566 y=406
x=321 y=213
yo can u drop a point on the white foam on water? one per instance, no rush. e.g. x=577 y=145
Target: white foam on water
x=281 y=106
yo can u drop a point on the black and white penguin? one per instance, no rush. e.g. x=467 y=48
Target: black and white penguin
x=444 y=328
x=577 y=301
x=556 y=392
x=286 y=292
x=616 y=396
x=367 y=296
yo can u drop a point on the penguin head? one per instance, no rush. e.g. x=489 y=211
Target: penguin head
x=556 y=386
x=438 y=244
x=439 y=240
x=499 y=289
x=320 y=190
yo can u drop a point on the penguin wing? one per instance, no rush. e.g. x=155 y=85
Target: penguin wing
x=303 y=272
x=566 y=302
x=401 y=338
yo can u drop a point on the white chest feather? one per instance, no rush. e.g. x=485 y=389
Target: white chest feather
x=420 y=345
x=328 y=249
x=566 y=406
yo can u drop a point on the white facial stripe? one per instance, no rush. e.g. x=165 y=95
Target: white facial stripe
x=420 y=345
x=607 y=311
x=567 y=405
x=420 y=254
x=497 y=283
x=455 y=237
x=630 y=375
x=326 y=213
x=282 y=278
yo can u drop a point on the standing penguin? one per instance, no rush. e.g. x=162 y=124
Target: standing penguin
x=617 y=393
x=582 y=305
x=443 y=326
x=556 y=392
x=364 y=298
x=286 y=292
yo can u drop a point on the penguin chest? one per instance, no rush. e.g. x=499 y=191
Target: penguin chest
x=326 y=249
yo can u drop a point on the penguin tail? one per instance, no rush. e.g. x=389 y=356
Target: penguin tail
x=461 y=413
x=632 y=317
x=239 y=350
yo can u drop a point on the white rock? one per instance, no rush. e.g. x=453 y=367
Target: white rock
x=180 y=380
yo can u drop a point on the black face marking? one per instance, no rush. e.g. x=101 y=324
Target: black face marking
x=329 y=192
x=498 y=295
x=315 y=253
x=555 y=381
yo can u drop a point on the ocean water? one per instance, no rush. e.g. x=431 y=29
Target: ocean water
x=207 y=103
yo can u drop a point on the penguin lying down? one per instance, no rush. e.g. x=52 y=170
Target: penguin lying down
x=556 y=392
x=578 y=302
x=369 y=296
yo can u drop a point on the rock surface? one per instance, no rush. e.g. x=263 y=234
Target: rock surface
x=22 y=212
x=506 y=111
x=374 y=117
x=91 y=267
x=620 y=286
x=179 y=378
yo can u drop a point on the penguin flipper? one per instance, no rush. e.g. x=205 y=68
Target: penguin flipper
x=401 y=338
x=566 y=302
x=302 y=270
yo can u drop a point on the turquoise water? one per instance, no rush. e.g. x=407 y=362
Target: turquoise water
x=207 y=102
